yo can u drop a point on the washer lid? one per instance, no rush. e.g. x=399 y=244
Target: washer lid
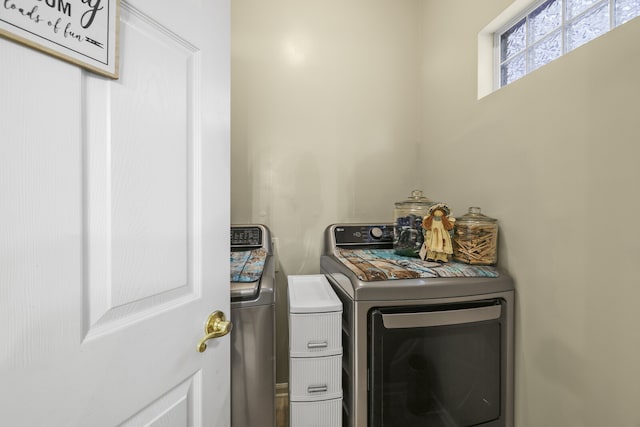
x=312 y=294
x=244 y=291
x=247 y=266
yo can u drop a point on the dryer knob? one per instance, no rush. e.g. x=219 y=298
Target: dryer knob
x=376 y=232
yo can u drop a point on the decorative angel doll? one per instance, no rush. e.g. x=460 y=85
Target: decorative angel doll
x=437 y=240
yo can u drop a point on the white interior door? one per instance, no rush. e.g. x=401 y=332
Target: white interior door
x=114 y=226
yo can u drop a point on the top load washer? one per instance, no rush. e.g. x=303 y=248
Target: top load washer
x=423 y=343
x=253 y=335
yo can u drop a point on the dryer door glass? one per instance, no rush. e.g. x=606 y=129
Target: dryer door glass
x=436 y=365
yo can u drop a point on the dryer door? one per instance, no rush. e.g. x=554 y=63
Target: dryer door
x=437 y=365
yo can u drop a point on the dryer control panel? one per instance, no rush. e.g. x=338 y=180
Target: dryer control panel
x=380 y=235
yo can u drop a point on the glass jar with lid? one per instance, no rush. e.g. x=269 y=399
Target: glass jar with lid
x=407 y=225
x=475 y=240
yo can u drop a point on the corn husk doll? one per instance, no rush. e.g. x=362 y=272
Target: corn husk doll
x=437 y=239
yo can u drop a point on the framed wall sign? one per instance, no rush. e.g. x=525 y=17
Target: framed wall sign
x=84 y=32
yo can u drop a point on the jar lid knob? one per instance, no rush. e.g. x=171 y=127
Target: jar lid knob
x=475 y=214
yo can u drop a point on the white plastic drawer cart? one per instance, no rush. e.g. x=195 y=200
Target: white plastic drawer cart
x=315 y=353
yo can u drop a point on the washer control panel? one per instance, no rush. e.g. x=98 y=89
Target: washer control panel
x=246 y=236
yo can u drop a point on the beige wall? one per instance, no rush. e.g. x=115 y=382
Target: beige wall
x=341 y=108
x=325 y=121
x=554 y=157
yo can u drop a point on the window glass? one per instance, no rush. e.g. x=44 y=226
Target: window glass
x=576 y=7
x=545 y=51
x=513 y=69
x=588 y=27
x=626 y=10
x=551 y=28
x=513 y=40
x=545 y=19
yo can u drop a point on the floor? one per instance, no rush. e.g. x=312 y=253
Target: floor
x=282 y=409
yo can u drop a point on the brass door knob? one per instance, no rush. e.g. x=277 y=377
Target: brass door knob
x=217 y=326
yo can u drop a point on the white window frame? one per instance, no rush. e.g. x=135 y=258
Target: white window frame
x=564 y=24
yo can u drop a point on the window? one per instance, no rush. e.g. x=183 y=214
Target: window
x=552 y=28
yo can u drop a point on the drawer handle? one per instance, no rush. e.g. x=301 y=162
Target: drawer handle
x=317 y=388
x=322 y=344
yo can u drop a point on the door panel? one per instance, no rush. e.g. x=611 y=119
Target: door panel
x=173 y=409
x=140 y=179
